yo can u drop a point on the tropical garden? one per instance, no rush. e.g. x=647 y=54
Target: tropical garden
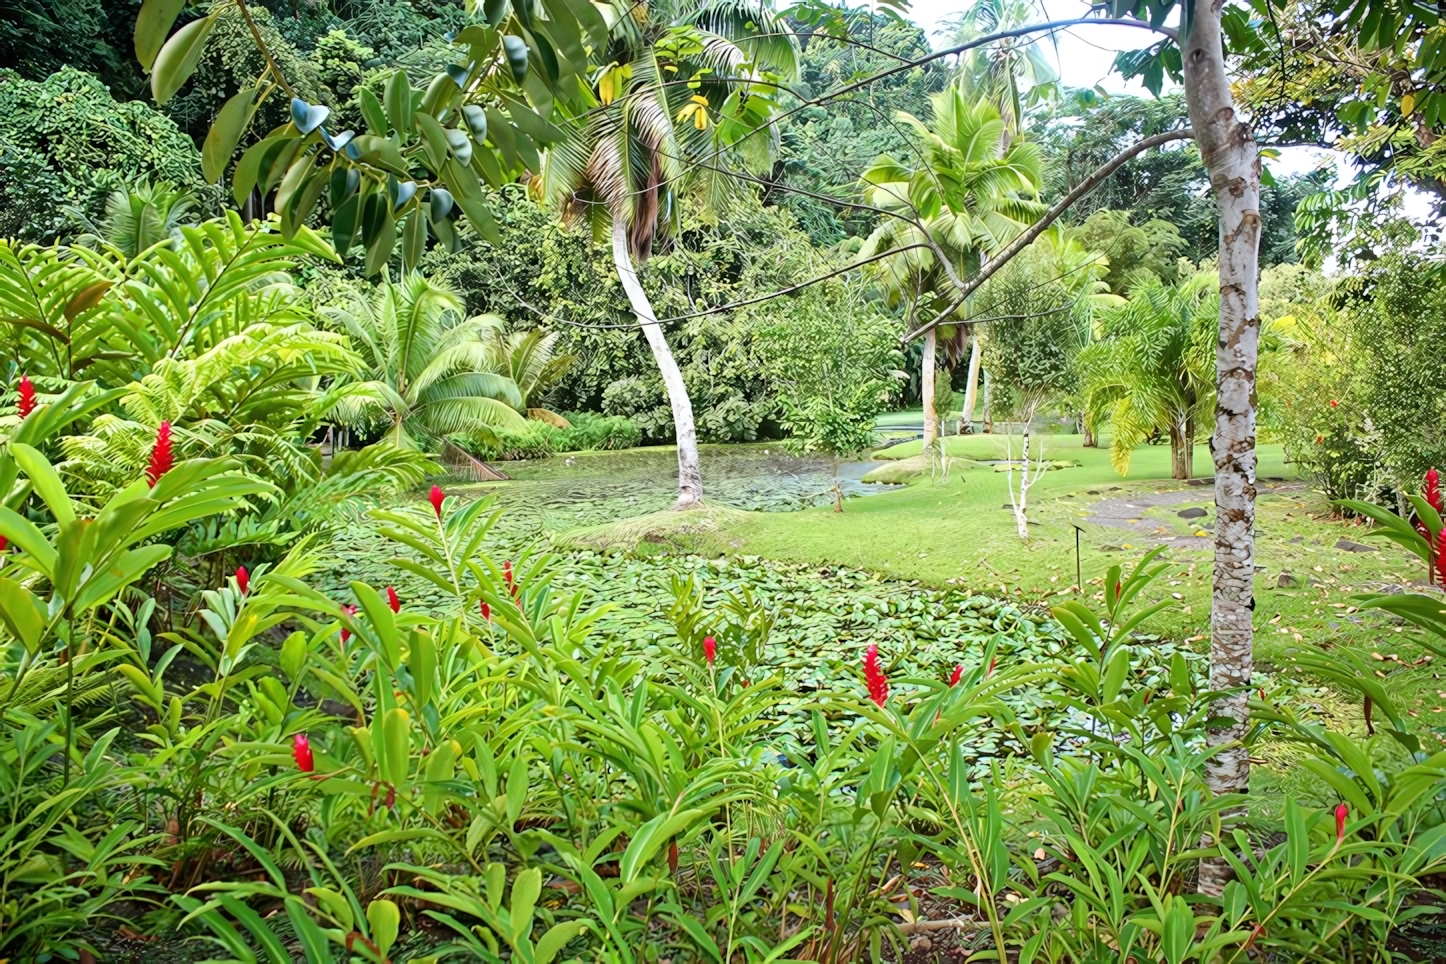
x=717 y=481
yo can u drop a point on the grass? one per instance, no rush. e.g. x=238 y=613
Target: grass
x=959 y=531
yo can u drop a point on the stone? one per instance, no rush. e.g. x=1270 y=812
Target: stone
x=1093 y=491
x=1112 y=548
x=1286 y=581
x=1346 y=545
x=1192 y=513
x=1114 y=488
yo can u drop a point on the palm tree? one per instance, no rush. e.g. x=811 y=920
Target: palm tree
x=137 y=217
x=530 y=359
x=965 y=198
x=679 y=104
x=1153 y=371
x=430 y=370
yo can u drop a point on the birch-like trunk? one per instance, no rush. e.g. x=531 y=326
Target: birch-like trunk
x=1227 y=146
x=926 y=388
x=971 y=389
x=690 y=478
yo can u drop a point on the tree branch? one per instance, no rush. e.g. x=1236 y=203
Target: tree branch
x=1035 y=230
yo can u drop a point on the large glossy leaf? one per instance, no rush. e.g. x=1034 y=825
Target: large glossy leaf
x=179 y=58
x=225 y=133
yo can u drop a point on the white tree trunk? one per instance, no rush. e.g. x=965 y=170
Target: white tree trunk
x=926 y=387
x=1227 y=146
x=690 y=477
x=971 y=390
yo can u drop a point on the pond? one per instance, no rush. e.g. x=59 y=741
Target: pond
x=589 y=488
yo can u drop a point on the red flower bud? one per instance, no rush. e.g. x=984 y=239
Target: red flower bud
x=4 y=543
x=243 y=579
x=1441 y=556
x=486 y=611
x=1432 y=491
x=393 y=601
x=1341 y=811
x=1333 y=403
x=990 y=671
x=954 y=677
x=25 y=403
x=874 y=675
x=301 y=750
x=435 y=497
x=710 y=649
x=673 y=856
x=509 y=578
x=161 y=456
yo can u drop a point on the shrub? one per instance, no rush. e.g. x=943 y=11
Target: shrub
x=588 y=432
x=592 y=432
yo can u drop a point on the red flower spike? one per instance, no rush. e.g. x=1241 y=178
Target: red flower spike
x=1341 y=811
x=874 y=675
x=4 y=543
x=346 y=633
x=954 y=677
x=162 y=457
x=435 y=497
x=25 y=403
x=301 y=750
x=509 y=578
x=1432 y=491
x=710 y=649
x=1333 y=403
x=990 y=671
x=486 y=611
x=393 y=601
x=243 y=579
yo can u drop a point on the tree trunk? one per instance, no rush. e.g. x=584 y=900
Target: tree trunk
x=1180 y=452
x=971 y=390
x=926 y=388
x=1090 y=442
x=690 y=478
x=1228 y=149
x=988 y=415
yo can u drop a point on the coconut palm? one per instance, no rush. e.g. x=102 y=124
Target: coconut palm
x=431 y=370
x=679 y=102
x=1153 y=370
x=969 y=193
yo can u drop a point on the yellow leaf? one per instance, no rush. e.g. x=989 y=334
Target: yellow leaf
x=1408 y=104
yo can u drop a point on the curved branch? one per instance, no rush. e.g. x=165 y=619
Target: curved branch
x=1037 y=228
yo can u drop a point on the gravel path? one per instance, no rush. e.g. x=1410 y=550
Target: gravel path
x=1128 y=512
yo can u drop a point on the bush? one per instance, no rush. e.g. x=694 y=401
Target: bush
x=824 y=427
x=588 y=432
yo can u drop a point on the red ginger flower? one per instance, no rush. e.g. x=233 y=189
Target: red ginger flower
x=1432 y=491
x=954 y=677
x=710 y=649
x=393 y=601
x=1341 y=811
x=162 y=458
x=243 y=579
x=436 y=497
x=509 y=578
x=4 y=543
x=346 y=633
x=486 y=611
x=301 y=750
x=1333 y=403
x=25 y=404
x=874 y=675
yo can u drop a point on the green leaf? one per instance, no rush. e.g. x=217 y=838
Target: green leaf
x=422 y=665
x=153 y=23
x=526 y=888
x=650 y=837
x=179 y=58
x=557 y=937
x=385 y=920
x=398 y=101
x=516 y=50
x=225 y=133
x=397 y=736
x=23 y=614
x=45 y=480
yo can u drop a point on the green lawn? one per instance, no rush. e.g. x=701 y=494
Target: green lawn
x=959 y=531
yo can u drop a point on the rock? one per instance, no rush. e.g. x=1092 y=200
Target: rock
x=1286 y=581
x=1297 y=540
x=1112 y=548
x=1199 y=481
x=1192 y=513
x=899 y=471
x=1347 y=545
x=1092 y=491
x=1114 y=488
